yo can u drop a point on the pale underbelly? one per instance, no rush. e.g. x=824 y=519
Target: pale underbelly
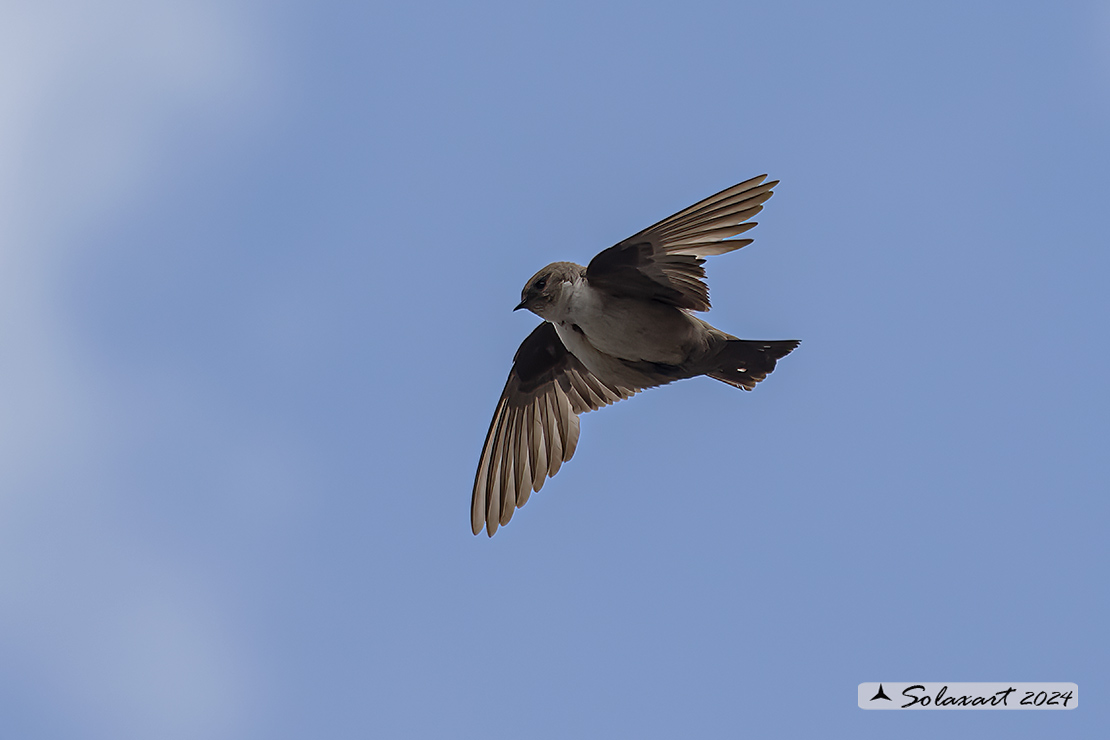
x=634 y=330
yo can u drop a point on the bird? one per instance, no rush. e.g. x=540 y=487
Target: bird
x=623 y=323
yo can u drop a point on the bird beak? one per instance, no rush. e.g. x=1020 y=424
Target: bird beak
x=520 y=306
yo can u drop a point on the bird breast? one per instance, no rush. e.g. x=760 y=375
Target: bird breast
x=626 y=328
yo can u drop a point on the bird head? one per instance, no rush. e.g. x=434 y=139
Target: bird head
x=544 y=289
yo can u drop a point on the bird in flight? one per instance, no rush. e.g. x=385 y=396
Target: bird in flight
x=621 y=324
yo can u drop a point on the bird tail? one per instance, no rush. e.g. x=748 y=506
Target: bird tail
x=745 y=362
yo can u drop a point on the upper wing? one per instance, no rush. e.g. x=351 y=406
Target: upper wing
x=664 y=262
x=535 y=427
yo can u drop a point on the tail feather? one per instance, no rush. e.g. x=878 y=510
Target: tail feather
x=745 y=362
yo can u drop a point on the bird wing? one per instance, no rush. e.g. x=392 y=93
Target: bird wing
x=664 y=262
x=535 y=427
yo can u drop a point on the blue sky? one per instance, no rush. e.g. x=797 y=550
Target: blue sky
x=257 y=268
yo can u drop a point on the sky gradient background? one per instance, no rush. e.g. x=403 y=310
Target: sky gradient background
x=257 y=268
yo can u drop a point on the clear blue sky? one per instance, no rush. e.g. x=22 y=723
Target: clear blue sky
x=257 y=266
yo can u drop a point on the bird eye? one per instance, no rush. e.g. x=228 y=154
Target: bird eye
x=541 y=283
